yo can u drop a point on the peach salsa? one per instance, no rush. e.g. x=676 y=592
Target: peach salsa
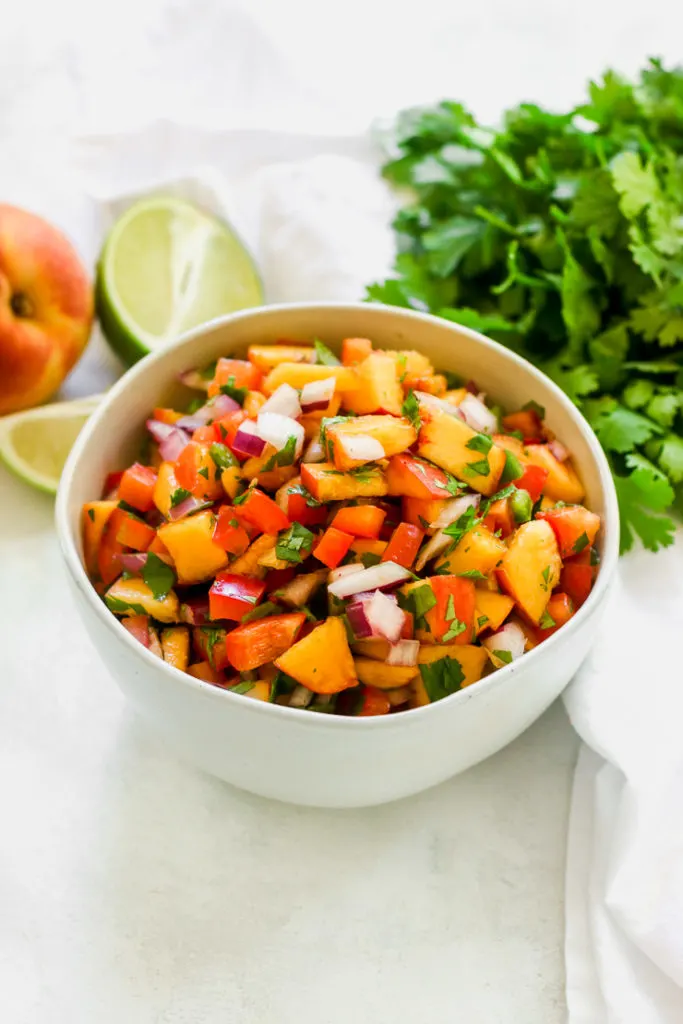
x=357 y=536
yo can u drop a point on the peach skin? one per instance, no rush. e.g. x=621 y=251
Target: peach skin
x=46 y=309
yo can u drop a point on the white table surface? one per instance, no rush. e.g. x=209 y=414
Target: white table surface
x=132 y=887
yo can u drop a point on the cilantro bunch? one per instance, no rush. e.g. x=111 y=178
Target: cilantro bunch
x=561 y=236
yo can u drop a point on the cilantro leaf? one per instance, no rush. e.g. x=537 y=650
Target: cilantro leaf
x=231 y=389
x=547 y=621
x=222 y=456
x=261 y=611
x=324 y=355
x=285 y=457
x=158 y=576
x=419 y=601
x=411 y=410
x=180 y=494
x=480 y=443
x=292 y=542
x=442 y=678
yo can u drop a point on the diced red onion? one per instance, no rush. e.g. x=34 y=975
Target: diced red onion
x=559 y=451
x=133 y=561
x=365 y=595
x=314 y=452
x=361 y=448
x=190 y=423
x=454 y=509
x=385 y=617
x=404 y=653
x=377 y=577
x=221 y=405
x=284 y=401
x=194 y=379
x=277 y=430
x=160 y=431
x=140 y=632
x=317 y=394
x=247 y=442
x=356 y=613
x=434 y=546
x=510 y=638
x=172 y=445
x=187 y=506
x=344 y=570
x=477 y=415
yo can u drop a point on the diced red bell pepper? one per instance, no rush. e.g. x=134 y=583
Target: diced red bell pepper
x=265 y=514
x=227 y=426
x=360 y=520
x=355 y=350
x=575 y=527
x=408 y=630
x=209 y=644
x=332 y=547
x=532 y=480
x=130 y=531
x=455 y=603
x=256 y=643
x=229 y=533
x=243 y=373
x=196 y=471
x=232 y=596
x=527 y=422
x=576 y=578
x=406 y=475
x=404 y=545
x=374 y=702
x=136 y=487
x=298 y=511
x=110 y=550
x=111 y=484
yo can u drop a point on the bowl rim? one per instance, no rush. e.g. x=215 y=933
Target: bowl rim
x=79 y=576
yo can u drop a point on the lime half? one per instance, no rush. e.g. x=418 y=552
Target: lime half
x=167 y=266
x=34 y=444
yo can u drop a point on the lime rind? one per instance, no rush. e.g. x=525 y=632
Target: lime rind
x=34 y=444
x=179 y=266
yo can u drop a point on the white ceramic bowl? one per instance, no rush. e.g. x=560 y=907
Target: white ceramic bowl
x=294 y=755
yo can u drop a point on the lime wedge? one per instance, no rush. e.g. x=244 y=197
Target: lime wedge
x=167 y=266
x=34 y=444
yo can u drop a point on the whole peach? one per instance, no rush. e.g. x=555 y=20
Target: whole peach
x=46 y=309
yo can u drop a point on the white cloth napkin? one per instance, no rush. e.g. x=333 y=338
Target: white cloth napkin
x=315 y=214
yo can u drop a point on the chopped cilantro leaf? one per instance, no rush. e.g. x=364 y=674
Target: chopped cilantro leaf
x=480 y=468
x=241 y=498
x=533 y=406
x=369 y=558
x=135 y=512
x=450 y=609
x=472 y=574
x=420 y=600
x=442 y=678
x=306 y=495
x=119 y=607
x=204 y=471
x=547 y=621
x=580 y=543
x=292 y=542
x=411 y=410
x=222 y=456
x=244 y=687
x=480 y=443
x=545 y=575
x=212 y=635
x=504 y=656
x=180 y=494
x=262 y=611
x=324 y=355
x=285 y=457
x=230 y=388
x=158 y=576
x=455 y=628
x=513 y=468
x=595 y=557
x=482 y=620
x=91 y=514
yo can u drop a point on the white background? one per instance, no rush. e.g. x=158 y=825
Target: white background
x=132 y=888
